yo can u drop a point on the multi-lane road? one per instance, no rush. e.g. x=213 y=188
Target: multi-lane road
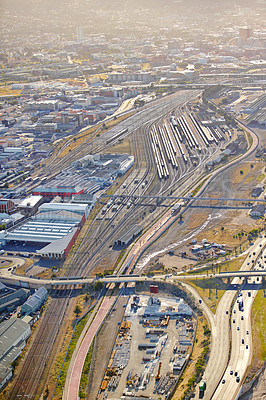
x=226 y=335
x=219 y=327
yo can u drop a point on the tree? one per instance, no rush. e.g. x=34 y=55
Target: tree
x=77 y=311
x=98 y=285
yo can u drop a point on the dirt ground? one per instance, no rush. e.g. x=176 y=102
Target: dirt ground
x=218 y=225
x=103 y=347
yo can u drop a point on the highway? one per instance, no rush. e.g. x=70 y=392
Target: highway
x=219 y=365
x=185 y=172
x=241 y=334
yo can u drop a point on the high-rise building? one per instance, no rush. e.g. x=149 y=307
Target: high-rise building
x=245 y=33
x=80 y=34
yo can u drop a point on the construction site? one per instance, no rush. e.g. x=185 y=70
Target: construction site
x=151 y=350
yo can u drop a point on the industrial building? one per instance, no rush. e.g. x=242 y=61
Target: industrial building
x=6 y=205
x=258 y=210
x=35 y=301
x=127 y=238
x=90 y=174
x=29 y=206
x=14 y=334
x=111 y=164
x=174 y=309
x=10 y=298
x=60 y=190
x=56 y=225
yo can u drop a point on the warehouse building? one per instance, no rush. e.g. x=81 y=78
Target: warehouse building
x=174 y=309
x=35 y=301
x=112 y=164
x=29 y=206
x=14 y=334
x=60 y=190
x=10 y=298
x=6 y=205
x=258 y=210
x=56 y=224
x=128 y=237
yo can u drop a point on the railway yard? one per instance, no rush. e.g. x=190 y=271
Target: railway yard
x=171 y=147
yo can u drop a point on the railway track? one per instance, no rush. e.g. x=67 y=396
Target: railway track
x=28 y=384
x=31 y=379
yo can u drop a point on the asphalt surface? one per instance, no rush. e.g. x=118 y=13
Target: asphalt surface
x=219 y=365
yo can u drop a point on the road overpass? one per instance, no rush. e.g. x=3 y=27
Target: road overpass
x=188 y=198
x=34 y=283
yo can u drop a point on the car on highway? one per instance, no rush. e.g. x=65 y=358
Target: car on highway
x=226 y=312
x=242 y=317
x=236 y=373
x=223 y=381
x=247 y=332
x=231 y=372
x=246 y=346
x=234 y=311
x=242 y=341
x=238 y=379
x=234 y=321
x=237 y=328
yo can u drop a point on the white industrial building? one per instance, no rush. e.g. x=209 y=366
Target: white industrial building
x=35 y=301
x=30 y=204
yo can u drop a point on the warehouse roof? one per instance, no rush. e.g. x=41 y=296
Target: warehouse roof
x=10 y=333
x=59 y=246
x=34 y=300
x=41 y=231
x=77 y=208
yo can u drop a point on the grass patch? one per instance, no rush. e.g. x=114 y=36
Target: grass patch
x=122 y=147
x=85 y=373
x=8 y=91
x=240 y=173
x=258 y=327
x=225 y=266
x=22 y=269
x=210 y=290
x=250 y=140
x=5 y=263
x=195 y=191
x=249 y=179
x=89 y=134
x=260 y=177
x=198 y=359
x=60 y=359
